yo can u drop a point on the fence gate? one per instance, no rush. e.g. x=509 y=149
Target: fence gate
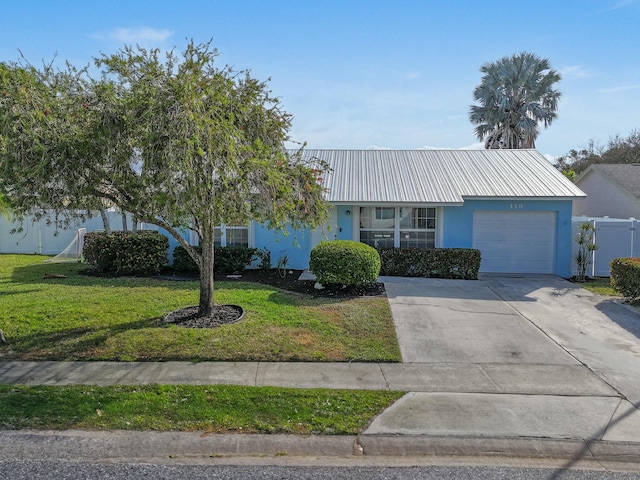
x=614 y=237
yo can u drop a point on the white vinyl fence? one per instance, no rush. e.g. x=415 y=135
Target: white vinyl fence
x=38 y=237
x=614 y=237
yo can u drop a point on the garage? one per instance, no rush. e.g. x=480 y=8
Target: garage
x=515 y=241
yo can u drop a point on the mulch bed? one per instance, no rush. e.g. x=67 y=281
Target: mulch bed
x=221 y=315
x=289 y=281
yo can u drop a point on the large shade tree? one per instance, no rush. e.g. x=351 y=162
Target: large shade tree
x=183 y=144
x=516 y=94
x=44 y=113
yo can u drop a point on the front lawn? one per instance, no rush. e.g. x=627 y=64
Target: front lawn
x=601 y=286
x=82 y=317
x=215 y=409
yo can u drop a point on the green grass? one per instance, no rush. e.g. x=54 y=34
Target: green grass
x=87 y=318
x=216 y=409
x=601 y=286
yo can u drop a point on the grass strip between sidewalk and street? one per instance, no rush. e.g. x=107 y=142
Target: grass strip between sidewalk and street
x=80 y=317
x=215 y=409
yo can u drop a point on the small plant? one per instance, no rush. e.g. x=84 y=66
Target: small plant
x=264 y=259
x=344 y=262
x=586 y=247
x=283 y=260
x=226 y=259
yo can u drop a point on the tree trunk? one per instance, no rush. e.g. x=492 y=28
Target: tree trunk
x=206 y=272
x=134 y=224
x=124 y=222
x=105 y=220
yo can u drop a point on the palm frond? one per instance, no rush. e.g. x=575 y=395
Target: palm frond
x=515 y=96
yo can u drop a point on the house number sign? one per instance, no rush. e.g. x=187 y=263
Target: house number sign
x=516 y=206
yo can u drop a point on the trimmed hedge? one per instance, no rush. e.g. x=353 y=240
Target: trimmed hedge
x=462 y=263
x=344 y=262
x=126 y=253
x=625 y=277
x=226 y=259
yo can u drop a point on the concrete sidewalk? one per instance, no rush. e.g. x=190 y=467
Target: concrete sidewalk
x=567 y=380
x=533 y=411
x=526 y=367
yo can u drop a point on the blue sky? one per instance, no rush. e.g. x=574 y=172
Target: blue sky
x=370 y=73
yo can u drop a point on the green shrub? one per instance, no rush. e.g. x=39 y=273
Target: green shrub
x=226 y=259
x=463 y=263
x=625 y=277
x=126 y=253
x=264 y=259
x=344 y=262
x=232 y=259
x=182 y=261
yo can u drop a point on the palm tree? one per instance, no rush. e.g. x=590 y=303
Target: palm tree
x=515 y=95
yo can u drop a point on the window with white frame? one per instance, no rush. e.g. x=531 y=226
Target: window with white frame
x=231 y=236
x=377 y=226
x=417 y=227
x=404 y=227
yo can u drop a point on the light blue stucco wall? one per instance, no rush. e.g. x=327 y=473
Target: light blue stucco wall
x=456 y=230
x=296 y=245
x=457 y=225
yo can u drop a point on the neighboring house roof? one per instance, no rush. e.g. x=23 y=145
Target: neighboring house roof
x=440 y=176
x=625 y=175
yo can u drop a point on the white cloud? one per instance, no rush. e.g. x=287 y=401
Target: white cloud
x=621 y=4
x=376 y=147
x=474 y=146
x=578 y=71
x=427 y=147
x=622 y=88
x=550 y=157
x=413 y=75
x=135 y=36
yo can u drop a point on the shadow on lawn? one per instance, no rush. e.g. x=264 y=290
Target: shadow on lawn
x=71 y=344
x=77 y=274
x=17 y=292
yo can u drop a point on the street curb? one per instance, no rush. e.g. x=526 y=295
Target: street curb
x=81 y=444
x=119 y=444
x=416 y=445
x=626 y=452
x=569 y=449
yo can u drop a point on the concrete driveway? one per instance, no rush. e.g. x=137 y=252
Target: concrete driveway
x=453 y=321
x=528 y=355
x=510 y=320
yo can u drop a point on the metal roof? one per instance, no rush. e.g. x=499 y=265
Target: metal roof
x=440 y=176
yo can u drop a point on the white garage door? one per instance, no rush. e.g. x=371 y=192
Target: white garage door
x=515 y=242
